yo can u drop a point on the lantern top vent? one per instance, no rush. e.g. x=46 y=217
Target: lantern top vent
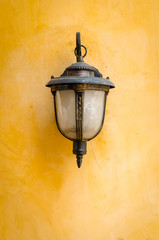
x=83 y=67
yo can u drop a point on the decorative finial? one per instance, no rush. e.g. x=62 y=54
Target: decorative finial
x=79 y=160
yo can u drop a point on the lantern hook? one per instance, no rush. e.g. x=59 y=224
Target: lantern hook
x=77 y=50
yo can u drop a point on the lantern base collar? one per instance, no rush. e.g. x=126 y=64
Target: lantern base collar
x=79 y=148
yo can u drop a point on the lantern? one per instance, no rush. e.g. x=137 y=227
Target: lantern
x=80 y=95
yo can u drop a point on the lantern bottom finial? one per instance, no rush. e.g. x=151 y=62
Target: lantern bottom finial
x=79 y=148
x=79 y=160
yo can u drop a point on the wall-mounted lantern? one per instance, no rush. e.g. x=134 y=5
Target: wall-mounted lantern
x=80 y=95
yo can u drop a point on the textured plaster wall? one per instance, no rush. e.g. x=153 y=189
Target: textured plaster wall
x=43 y=195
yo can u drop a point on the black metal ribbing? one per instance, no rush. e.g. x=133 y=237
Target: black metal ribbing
x=79 y=114
x=79 y=146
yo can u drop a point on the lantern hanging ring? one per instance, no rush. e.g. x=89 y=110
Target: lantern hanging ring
x=75 y=52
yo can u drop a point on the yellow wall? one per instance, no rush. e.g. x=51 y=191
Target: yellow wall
x=115 y=194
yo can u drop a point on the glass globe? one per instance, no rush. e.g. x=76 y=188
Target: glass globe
x=93 y=113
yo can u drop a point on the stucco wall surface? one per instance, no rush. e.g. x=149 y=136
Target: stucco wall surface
x=115 y=194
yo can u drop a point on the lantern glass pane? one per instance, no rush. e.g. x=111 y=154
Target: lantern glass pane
x=92 y=113
x=65 y=108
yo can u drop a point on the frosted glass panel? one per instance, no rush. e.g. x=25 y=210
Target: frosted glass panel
x=65 y=107
x=93 y=112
